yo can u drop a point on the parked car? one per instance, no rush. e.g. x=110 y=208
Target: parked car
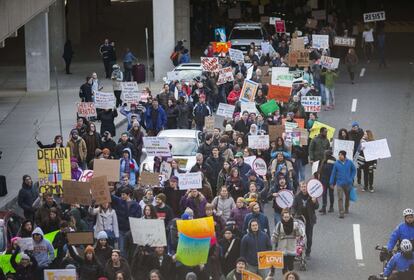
x=243 y=34
x=10 y=224
x=186 y=72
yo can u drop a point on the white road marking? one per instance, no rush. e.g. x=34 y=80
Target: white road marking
x=357 y=242
x=354 y=105
x=362 y=72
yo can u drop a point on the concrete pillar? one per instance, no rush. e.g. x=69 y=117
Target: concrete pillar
x=37 y=53
x=164 y=39
x=57 y=33
x=92 y=7
x=73 y=25
x=182 y=22
x=84 y=17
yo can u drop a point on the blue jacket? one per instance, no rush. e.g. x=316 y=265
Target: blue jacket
x=263 y=222
x=399 y=263
x=123 y=167
x=185 y=58
x=161 y=121
x=252 y=243
x=243 y=170
x=123 y=212
x=343 y=173
x=402 y=231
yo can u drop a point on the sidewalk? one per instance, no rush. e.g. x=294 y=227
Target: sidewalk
x=19 y=111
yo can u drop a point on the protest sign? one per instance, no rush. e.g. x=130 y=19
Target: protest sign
x=293 y=137
x=269 y=107
x=319 y=14
x=236 y=55
x=249 y=160
x=259 y=166
x=220 y=34
x=314 y=188
x=107 y=167
x=225 y=110
x=104 y=100
x=272 y=20
x=249 y=107
x=311 y=23
x=269 y=259
x=197 y=228
x=80 y=238
x=264 y=19
x=285 y=80
x=86 y=109
x=305 y=39
x=377 y=149
x=210 y=64
x=279 y=93
x=300 y=122
x=225 y=75
x=221 y=47
x=266 y=74
x=280 y=26
x=100 y=190
x=297 y=44
x=343 y=145
x=258 y=142
x=86 y=175
x=311 y=103
x=192 y=251
x=53 y=166
x=209 y=123
x=275 y=131
x=165 y=169
x=59 y=274
x=285 y=199
x=25 y=244
x=156 y=146
x=374 y=16
x=265 y=47
x=315 y=167
x=298 y=58
x=173 y=76
x=77 y=192
x=189 y=180
x=130 y=93
x=304 y=135
x=148 y=232
x=276 y=71
x=150 y=179
x=329 y=62
x=247 y=275
x=320 y=41
x=289 y=126
x=182 y=162
x=317 y=126
x=249 y=74
x=248 y=91
x=344 y=42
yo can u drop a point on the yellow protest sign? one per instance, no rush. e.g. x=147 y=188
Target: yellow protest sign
x=53 y=165
x=317 y=126
x=269 y=259
x=197 y=228
x=247 y=275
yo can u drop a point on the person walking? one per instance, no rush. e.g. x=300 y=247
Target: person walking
x=318 y=146
x=342 y=177
x=105 y=50
x=367 y=167
x=330 y=77
x=67 y=55
x=325 y=170
x=128 y=60
x=351 y=60
x=117 y=77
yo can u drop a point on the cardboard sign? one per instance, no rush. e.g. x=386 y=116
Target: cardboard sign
x=150 y=179
x=285 y=199
x=157 y=146
x=315 y=167
x=25 y=244
x=297 y=44
x=320 y=41
x=80 y=238
x=247 y=275
x=276 y=71
x=225 y=75
x=236 y=55
x=209 y=123
x=377 y=149
x=260 y=167
x=275 y=131
x=248 y=106
x=316 y=128
x=210 y=64
x=319 y=14
x=374 y=16
x=53 y=166
x=300 y=122
x=248 y=91
x=269 y=259
x=59 y=274
x=344 y=42
x=266 y=74
x=130 y=93
x=86 y=109
x=279 y=93
x=298 y=58
x=314 y=188
x=329 y=62
x=100 y=190
x=225 y=110
x=107 y=167
x=104 y=100
x=148 y=232
x=343 y=145
x=188 y=181
x=77 y=192
x=249 y=160
x=259 y=142
x=280 y=26
x=311 y=103
x=311 y=23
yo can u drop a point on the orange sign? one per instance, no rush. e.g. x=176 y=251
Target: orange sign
x=219 y=47
x=280 y=93
x=270 y=259
x=247 y=275
x=301 y=122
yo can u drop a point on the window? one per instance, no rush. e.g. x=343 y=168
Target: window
x=183 y=146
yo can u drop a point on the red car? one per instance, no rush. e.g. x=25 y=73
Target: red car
x=10 y=223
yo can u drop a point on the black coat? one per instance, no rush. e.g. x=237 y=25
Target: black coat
x=107 y=121
x=303 y=205
x=88 y=270
x=215 y=165
x=242 y=126
x=85 y=92
x=229 y=257
x=27 y=195
x=167 y=267
x=172 y=114
x=185 y=111
x=24 y=273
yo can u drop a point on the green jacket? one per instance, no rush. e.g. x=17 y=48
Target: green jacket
x=330 y=78
x=317 y=148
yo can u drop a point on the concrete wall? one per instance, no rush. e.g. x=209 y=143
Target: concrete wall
x=182 y=22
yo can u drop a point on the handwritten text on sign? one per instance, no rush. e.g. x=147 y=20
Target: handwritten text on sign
x=210 y=64
x=86 y=109
x=344 y=42
x=225 y=75
x=157 y=146
x=189 y=181
x=374 y=16
x=311 y=103
x=130 y=93
x=258 y=142
x=329 y=62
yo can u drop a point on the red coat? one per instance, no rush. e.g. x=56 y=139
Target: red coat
x=233 y=97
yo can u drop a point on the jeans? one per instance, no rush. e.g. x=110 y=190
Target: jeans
x=322 y=93
x=325 y=197
x=341 y=192
x=330 y=96
x=277 y=218
x=300 y=170
x=118 y=97
x=121 y=242
x=255 y=269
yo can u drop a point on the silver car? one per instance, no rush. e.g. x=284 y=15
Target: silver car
x=243 y=34
x=184 y=142
x=186 y=72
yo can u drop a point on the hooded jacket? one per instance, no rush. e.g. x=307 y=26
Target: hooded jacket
x=43 y=250
x=343 y=173
x=252 y=243
x=130 y=165
x=238 y=215
x=224 y=206
x=317 y=148
x=105 y=221
x=261 y=218
x=78 y=148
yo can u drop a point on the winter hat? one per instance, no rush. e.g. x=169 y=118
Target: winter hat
x=73 y=159
x=355 y=124
x=188 y=214
x=98 y=152
x=24 y=256
x=228 y=128
x=15 y=239
x=162 y=197
x=174 y=178
x=239 y=155
x=70 y=266
x=102 y=235
x=106 y=152
x=191 y=276
x=89 y=249
x=241 y=259
x=74 y=131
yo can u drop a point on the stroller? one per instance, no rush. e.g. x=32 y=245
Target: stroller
x=301 y=244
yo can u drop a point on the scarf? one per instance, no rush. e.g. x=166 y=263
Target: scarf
x=288 y=226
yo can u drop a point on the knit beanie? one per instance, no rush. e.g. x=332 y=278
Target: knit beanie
x=102 y=235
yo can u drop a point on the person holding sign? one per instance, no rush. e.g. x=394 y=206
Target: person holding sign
x=325 y=170
x=236 y=273
x=367 y=166
x=27 y=266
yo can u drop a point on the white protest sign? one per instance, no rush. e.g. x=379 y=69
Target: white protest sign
x=86 y=109
x=284 y=80
x=258 y=142
x=236 y=55
x=249 y=160
x=315 y=188
x=343 y=145
x=130 y=93
x=260 y=166
x=59 y=274
x=320 y=41
x=272 y=20
x=344 y=41
x=225 y=75
x=156 y=146
x=315 y=167
x=329 y=62
x=311 y=103
x=276 y=72
x=225 y=110
x=265 y=47
x=188 y=181
x=86 y=175
x=148 y=232
x=374 y=16
x=210 y=64
x=104 y=100
x=249 y=73
x=173 y=76
x=289 y=126
x=25 y=244
x=248 y=106
x=377 y=149
x=285 y=199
